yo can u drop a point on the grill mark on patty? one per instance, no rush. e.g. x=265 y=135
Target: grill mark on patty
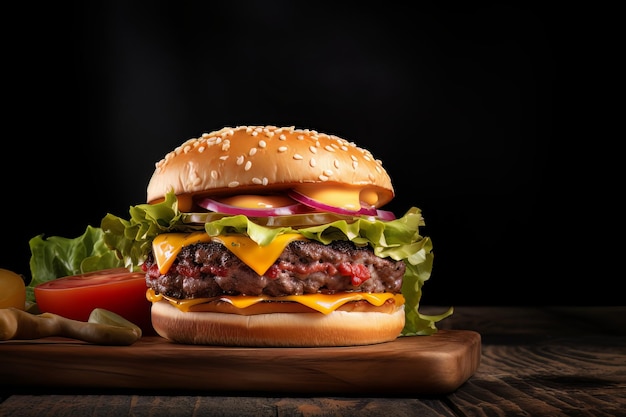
x=209 y=269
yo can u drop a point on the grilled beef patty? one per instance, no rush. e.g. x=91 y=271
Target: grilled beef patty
x=305 y=267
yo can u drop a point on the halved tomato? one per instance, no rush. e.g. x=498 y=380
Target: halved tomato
x=116 y=289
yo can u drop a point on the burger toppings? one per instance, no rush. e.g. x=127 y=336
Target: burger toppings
x=342 y=197
x=295 y=203
x=341 y=206
x=167 y=246
x=253 y=205
x=263 y=304
x=361 y=210
x=304 y=267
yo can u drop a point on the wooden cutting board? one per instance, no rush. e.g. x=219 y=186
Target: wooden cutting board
x=408 y=366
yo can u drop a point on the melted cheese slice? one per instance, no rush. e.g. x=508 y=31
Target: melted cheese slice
x=166 y=247
x=349 y=198
x=257 y=257
x=324 y=303
x=258 y=201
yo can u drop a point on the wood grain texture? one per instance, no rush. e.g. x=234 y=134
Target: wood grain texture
x=168 y=406
x=535 y=361
x=412 y=366
x=549 y=361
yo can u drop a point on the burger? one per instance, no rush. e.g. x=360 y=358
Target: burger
x=276 y=236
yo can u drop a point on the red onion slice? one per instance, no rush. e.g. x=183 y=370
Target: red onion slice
x=219 y=207
x=303 y=205
x=301 y=198
x=385 y=215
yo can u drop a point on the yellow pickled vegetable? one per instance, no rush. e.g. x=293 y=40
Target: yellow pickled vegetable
x=12 y=290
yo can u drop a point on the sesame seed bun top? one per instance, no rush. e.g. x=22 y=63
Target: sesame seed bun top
x=265 y=159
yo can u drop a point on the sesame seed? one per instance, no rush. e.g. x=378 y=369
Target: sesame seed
x=316 y=140
x=233 y=184
x=265 y=181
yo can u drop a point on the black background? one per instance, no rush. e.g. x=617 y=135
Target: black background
x=460 y=104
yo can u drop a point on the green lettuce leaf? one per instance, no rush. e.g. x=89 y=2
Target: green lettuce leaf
x=127 y=242
x=398 y=239
x=132 y=239
x=57 y=257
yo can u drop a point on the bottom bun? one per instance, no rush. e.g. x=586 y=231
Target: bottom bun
x=339 y=328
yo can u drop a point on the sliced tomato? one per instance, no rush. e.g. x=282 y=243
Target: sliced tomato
x=116 y=290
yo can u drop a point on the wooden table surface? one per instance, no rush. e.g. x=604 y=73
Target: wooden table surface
x=535 y=361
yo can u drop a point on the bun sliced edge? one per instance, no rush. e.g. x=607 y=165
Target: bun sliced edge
x=339 y=328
